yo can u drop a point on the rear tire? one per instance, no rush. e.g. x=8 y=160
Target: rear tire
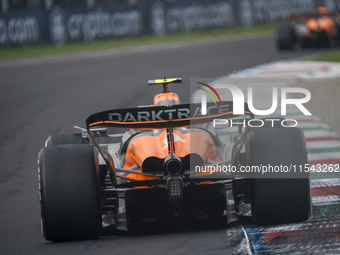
x=65 y=139
x=286 y=38
x=69 y=193
x=278 y=200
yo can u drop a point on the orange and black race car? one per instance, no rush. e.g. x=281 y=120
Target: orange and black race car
x=309 y=30
x=169 y=166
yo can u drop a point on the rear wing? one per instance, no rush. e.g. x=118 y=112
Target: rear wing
x=162 y=117
x=164 y=81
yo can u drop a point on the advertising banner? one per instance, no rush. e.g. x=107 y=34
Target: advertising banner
x=23 y=28
x=71 y=24
x=93 y=24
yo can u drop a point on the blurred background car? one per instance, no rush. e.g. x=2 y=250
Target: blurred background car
x=309 y=30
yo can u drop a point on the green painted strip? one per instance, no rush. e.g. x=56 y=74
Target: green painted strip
x=318 y=150
x=326 y=210
x=316 y=128
x=329 y=57
x=314 y=176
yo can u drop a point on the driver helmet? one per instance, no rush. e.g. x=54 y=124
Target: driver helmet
x=322 y=10
x=166 y=99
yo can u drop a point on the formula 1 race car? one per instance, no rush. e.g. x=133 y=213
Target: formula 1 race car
x=155 y=172
x=309 y=30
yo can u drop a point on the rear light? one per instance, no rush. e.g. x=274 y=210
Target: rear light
x=175 y=188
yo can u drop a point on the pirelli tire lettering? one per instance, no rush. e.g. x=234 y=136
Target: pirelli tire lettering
x=19 y=30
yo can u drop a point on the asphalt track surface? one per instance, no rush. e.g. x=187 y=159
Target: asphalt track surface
x=47 y=97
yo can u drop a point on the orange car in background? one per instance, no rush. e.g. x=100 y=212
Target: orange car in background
x=309 y=30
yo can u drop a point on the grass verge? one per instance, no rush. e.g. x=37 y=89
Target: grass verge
x=36 y=51
x=333 y=56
